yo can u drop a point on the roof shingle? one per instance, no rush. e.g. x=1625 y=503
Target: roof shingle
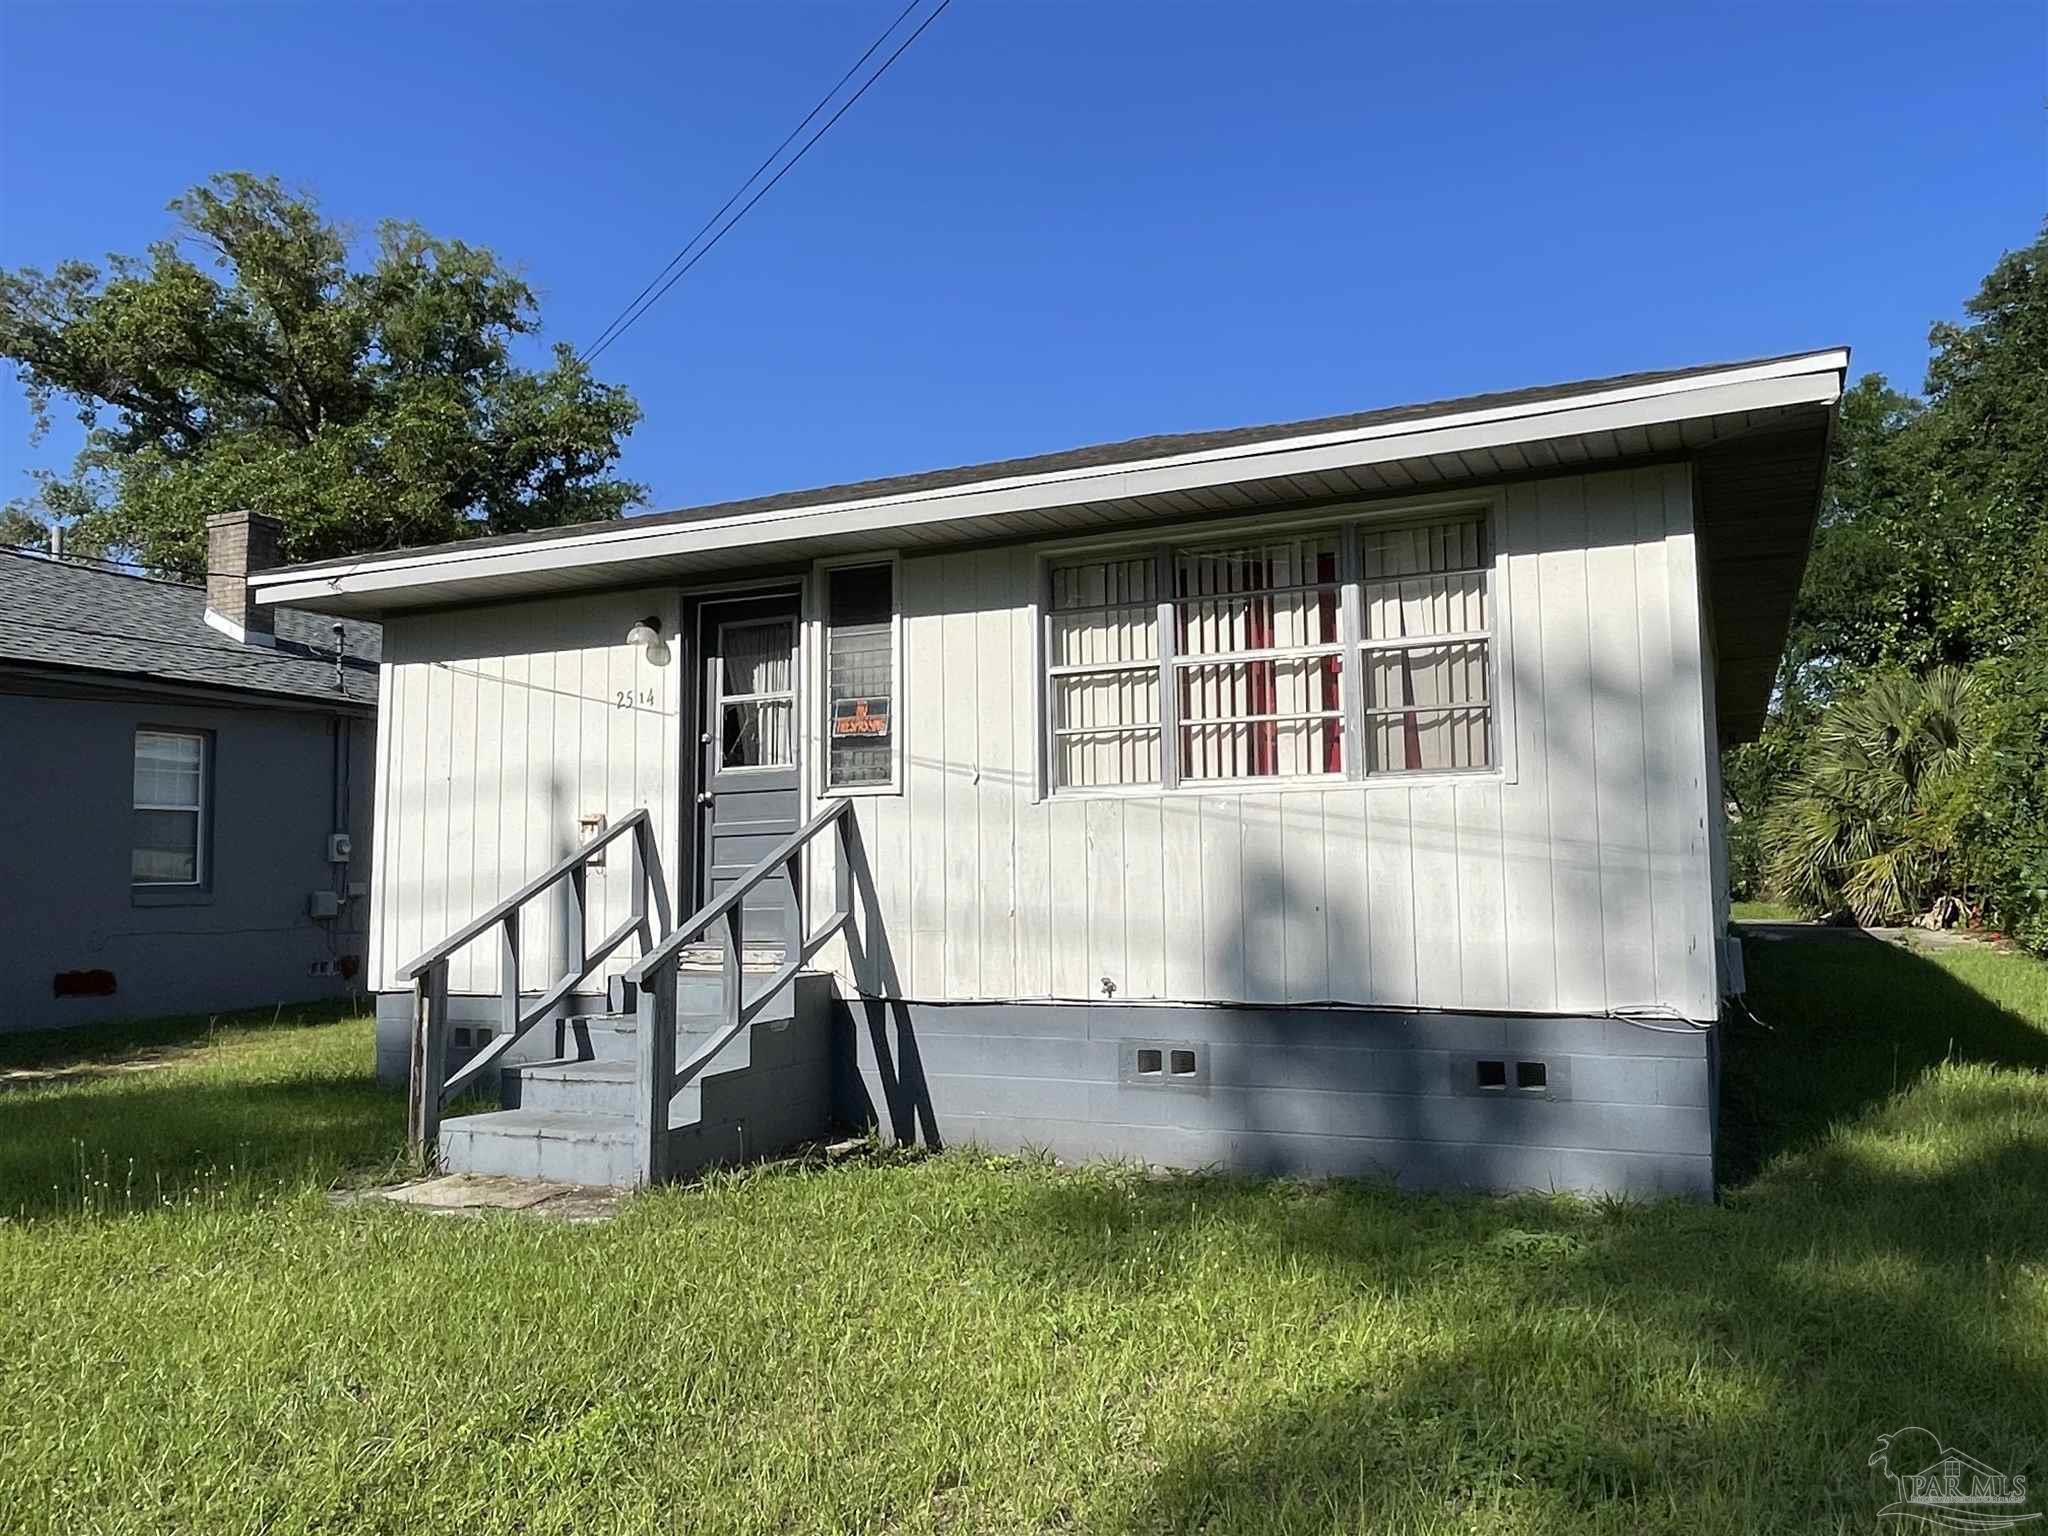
x=57 y=613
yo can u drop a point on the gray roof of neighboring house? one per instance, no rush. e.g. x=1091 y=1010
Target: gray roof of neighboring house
x=1095 y=456
x=58 y=613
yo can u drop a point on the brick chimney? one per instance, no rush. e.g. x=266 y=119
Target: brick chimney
x=238 y=544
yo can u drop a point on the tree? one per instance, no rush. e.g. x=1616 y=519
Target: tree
x=1931 y=552
x=367 y=406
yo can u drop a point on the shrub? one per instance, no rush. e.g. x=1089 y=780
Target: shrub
x=1871 y=821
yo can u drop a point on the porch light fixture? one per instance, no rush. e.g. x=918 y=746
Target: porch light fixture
x=647 y=633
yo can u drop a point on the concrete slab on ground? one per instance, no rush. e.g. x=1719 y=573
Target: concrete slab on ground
x=472 y=1194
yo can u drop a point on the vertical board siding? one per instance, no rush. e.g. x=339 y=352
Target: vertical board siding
x=507 y=725
x=1577 y=881
x=1529 y=908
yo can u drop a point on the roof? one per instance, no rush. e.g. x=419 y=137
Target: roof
x=1756 y=433
x=1095 y=456
x=61 y=613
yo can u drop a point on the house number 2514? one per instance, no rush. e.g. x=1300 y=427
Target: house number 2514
x=630 y=698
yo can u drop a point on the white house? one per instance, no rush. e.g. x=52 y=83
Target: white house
x=1330 y=797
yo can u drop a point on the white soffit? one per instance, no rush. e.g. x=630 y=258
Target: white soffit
x=1812 y=379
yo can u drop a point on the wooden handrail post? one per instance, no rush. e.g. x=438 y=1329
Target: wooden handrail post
x=508 y=973
x=579 y=897
x=794 y=870
x=657 y=1032
x=637 y=885
x=429 y=1065
x=731 y=973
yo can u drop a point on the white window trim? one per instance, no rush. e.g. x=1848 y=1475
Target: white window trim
x=818 y=622
x=201 y=813
x=1343 y=516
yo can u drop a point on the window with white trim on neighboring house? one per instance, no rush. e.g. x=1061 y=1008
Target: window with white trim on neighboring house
x=1250 y=681
x=170 y=808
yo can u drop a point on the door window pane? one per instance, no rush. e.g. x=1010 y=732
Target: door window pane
x=757 y=696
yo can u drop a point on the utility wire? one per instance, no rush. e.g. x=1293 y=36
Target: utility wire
x=620 y=327
x=128 y=568
x=604 y=337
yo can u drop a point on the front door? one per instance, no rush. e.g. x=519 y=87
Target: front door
x=750 y=796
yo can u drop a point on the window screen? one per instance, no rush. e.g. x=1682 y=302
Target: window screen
x=1104 y=674
x=1258 y=659
x=170 y=804
x=860 y=682
x=1428 y=699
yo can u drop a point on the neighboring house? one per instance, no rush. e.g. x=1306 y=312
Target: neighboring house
x=187 y=790
x=1331 y=797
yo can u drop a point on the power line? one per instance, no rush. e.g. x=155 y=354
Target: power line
x=604 y=337
x=124 y=567
x=621 y=327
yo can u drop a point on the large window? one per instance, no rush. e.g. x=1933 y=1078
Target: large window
x=170 y=808
x=1220 y=663
x=860 y=676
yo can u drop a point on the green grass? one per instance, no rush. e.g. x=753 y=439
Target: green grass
x=1763 y=912
x=972 y=1344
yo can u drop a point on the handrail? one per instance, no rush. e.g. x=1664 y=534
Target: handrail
x=431 y=1084
x=712 y=911
x=660 y=1079
x=525 y=893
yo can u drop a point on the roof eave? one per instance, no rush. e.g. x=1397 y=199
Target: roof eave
x=441 y=576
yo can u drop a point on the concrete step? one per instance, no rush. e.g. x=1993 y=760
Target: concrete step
x=573 y=1085
x=542 y=1144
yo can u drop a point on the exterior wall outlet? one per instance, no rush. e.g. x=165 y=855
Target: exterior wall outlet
x=339 y=848
x=323 y=904
x=591 y=828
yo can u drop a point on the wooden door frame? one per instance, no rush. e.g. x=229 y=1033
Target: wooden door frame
x=694 y=601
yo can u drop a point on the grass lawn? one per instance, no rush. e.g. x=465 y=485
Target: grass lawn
x=1764 y=912
x=200 y=1340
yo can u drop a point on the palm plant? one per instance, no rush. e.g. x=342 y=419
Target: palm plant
x=1868 y=823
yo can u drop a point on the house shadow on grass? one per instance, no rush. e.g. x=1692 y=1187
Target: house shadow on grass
x=1846 y=1020
x=127 y=1117
x=68 y=1052
x=1537 y=1363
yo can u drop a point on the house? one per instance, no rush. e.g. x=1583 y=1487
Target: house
x=1335 y=797
x=186 y=807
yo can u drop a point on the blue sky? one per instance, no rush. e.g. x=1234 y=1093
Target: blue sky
x=1055 y=224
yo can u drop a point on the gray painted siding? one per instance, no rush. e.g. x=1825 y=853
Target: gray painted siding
x=1295 y=1091
x=247 y=941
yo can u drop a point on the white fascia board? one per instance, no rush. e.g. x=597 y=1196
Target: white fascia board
x=1813 y=379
